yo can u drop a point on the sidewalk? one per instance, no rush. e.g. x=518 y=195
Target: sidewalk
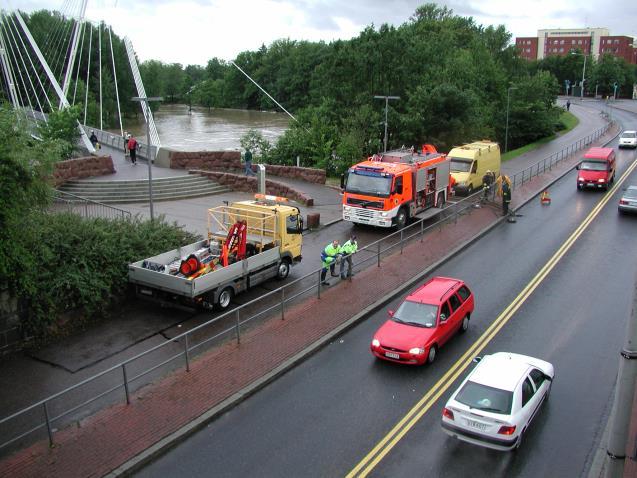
x=121 y=437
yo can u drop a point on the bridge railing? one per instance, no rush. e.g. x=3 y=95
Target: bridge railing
x=121 y=380
x=117 y=142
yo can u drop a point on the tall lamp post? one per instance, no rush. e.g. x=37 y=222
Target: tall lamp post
x=573 y=52
x=146 y=100
x=506 y=129
x=386 y=98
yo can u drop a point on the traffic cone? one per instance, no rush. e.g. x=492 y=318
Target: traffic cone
x=545 y=199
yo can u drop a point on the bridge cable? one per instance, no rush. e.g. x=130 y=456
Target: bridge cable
x=119 y=112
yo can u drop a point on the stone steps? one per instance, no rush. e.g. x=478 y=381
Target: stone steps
x=131 y=191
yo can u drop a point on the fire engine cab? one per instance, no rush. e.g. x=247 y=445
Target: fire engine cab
x=388 y=189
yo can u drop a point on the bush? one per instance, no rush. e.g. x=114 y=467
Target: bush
x=79 y=265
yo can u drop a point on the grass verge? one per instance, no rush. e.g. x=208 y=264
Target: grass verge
x=568 y=120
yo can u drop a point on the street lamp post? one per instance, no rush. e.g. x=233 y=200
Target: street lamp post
x=386 y=98
x=146 y=100
x=506 y=130
x=574 y=52
x=583 y=74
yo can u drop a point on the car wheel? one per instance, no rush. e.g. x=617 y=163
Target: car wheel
x=401 y=219
x=284 y=269
x=224 y=299
x=579 y=188
x=433 y=352
x=465 y=324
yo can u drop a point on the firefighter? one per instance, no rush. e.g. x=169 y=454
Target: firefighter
x=329 y=257
x=487 y=180
x=347 y=249
x=504 y=190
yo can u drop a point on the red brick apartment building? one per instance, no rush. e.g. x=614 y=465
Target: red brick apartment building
x=591 y=41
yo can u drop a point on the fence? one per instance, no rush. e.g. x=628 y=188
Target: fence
x=67 y=202
x=136 y=372
x=116 y=141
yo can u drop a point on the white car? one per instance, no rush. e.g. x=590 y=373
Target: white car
x=495 y=404
x=628 y=139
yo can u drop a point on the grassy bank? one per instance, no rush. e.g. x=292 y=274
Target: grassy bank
x=568 y=120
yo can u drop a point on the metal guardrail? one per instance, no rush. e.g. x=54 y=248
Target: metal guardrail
x=141 y=369
x=116 y=141
x=67 y=202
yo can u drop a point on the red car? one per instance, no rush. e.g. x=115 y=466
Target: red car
x=427 y=318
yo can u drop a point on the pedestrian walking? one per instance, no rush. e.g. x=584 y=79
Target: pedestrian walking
x=568 y=105
x=93 y=139
x=126 y=137
x=329 y=257
x=350 y=247
x=247 y=158
x=132 y=148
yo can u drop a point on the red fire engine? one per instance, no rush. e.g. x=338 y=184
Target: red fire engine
x=389 y=188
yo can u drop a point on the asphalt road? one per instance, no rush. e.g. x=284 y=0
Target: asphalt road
x=324 y=417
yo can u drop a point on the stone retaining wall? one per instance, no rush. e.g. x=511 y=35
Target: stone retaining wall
x=239 y=182
x=80 y=168
x=231 y=161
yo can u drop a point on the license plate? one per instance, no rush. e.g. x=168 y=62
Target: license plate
x=393 y=355
x=478 y=425
x=591 y=185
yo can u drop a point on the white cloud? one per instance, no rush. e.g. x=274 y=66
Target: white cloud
x=193 y=31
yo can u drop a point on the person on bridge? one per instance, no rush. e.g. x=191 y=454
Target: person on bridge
x=93 y=139
x=350 y=247
x=247 y=158
x=329 y=257
x=132 y=148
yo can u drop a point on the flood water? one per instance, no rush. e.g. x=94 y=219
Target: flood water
x=206 y=129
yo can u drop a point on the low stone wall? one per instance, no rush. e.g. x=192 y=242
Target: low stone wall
x=82 y=168
x=211 y=160
x=239 y=182
x=231 y=161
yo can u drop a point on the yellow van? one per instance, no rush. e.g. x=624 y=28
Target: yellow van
x=470 y=162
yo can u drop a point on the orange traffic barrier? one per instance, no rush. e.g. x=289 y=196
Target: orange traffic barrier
x=545 y=199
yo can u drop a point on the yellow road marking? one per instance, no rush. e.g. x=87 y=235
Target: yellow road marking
x=369 y=462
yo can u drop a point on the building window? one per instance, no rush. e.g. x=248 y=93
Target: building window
x=616 y=42
x=572 y=42
x=561 y=42
x=579 y=42
x=561 y=50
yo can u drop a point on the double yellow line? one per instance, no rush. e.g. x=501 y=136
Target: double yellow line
x=390 y=440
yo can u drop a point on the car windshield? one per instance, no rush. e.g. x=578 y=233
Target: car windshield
x=482 y=397
x=630 y=134
x=415 y=313
x=459 y=165
x=593 y=165
x=370 y=185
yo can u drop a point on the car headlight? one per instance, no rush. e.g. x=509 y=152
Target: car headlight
x=601 y=180
x=384 y=214
x=375 y=343
x=347 y=208
x=417 y=351
x=580 y=179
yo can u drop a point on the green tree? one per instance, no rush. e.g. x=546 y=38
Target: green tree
x=61 y=128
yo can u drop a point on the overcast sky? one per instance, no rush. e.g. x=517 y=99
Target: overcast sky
x=193 y=31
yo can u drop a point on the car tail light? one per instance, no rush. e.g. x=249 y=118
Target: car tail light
x=623 y=201
x=447 y=413
x=506 y=430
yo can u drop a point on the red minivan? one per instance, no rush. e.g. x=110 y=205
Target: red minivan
x=597 y=169
x=426 y=319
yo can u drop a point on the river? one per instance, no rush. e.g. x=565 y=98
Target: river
x=204 y=129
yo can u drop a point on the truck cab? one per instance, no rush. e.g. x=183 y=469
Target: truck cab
x=596 y=169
